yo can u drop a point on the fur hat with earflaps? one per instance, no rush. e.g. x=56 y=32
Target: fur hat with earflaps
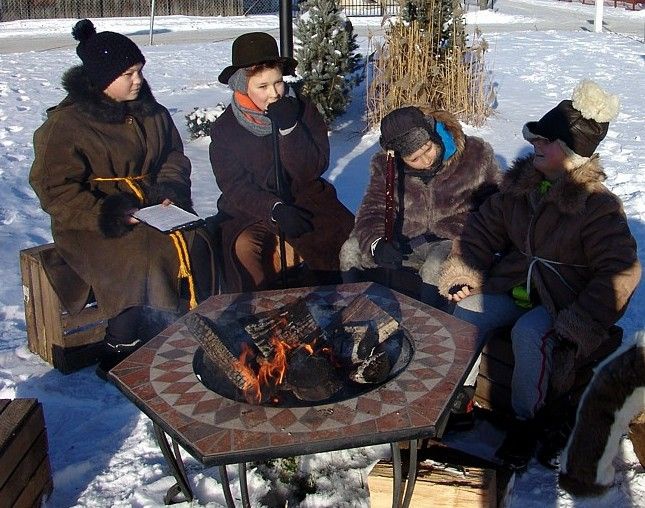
x=407 y=129
x=105 y=55
x=579 y=124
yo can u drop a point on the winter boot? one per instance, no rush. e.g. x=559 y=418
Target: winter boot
x=113 y=354
x=462 y=414
x=519 y=445
x=554 y=439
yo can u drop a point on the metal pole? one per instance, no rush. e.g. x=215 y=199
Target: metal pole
x=598 y=21
x=286 y=29
x=284 y=196
x=152 y=19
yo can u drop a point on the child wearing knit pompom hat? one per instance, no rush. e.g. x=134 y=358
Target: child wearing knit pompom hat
x=550 y=255
x=108 y=149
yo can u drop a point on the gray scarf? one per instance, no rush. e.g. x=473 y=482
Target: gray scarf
x=238 y=83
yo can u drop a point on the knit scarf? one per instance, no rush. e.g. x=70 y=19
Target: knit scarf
x=246 y=112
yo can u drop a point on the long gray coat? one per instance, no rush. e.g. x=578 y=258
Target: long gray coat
x=89 y=136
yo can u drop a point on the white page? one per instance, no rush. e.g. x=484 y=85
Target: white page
x=166 y=218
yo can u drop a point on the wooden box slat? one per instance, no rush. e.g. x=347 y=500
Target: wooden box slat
x=25 y=472
x=493 y=389
x=39 y=488
x=437 y=487
x=68 y=342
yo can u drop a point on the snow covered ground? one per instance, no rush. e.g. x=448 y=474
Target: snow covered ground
x=102 y=449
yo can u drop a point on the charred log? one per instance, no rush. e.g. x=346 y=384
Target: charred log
x=311 y=377
x=292 y=324
x=214 y=348
x=374 y=369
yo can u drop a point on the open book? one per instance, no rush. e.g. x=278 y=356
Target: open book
x=167 y=218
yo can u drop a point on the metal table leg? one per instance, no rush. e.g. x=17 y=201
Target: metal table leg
x=226 y=487
x=176 y=466
x=402 y=494
x=244 y=486
x=396 y=474
x=412 y=474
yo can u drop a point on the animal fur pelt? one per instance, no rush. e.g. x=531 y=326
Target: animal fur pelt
x=615 y=395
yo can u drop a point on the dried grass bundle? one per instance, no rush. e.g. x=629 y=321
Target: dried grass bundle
x=418 y=65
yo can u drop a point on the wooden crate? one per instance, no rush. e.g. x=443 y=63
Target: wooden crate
x=493 y=389
x=437 y=487
x=25 y=473
x=68 y=342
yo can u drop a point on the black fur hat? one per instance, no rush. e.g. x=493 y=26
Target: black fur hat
x=579 y=124
x=105 y=55
x=407 y=129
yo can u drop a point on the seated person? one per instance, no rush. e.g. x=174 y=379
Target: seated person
x=253 y=207
x=440 y=175
x=552 y=255
x=106 y=150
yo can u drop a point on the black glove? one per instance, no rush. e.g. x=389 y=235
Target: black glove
x=387 y=255
x=292 y=221
x=284 y=112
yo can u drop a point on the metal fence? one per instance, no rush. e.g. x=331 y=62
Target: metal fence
x=38 y=9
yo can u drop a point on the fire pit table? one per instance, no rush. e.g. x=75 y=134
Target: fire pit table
x=412 y=402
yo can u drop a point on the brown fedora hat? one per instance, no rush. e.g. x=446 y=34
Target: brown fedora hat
x=253 y=49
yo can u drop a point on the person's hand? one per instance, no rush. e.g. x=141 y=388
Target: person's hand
x=386 y=255
x=292 y=221
x=458 y=293
x=284 y=112
x=130 y=219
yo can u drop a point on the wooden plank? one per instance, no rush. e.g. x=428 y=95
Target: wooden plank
x=497 y=371
x=14 y=414
x=52 y=311
x=39 y=488
x=437 y=487
x=500 y=348
x=18 y=439
x=21 y=477
x=493 y=396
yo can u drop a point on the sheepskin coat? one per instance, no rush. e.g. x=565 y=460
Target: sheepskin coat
x=244 y=168
x=89 y=136
x=436 y=206
x=572 y=242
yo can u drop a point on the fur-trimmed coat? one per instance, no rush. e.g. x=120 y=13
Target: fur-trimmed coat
x=243 y=164
x=90 y=136
x=437 y=206
x=573 y=242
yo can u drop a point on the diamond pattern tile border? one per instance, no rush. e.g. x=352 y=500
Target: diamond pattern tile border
x=159 y=379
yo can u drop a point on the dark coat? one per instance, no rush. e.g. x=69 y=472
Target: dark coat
x=243 y=164
x=437 y=206
x=89 y=136
x=588 y=266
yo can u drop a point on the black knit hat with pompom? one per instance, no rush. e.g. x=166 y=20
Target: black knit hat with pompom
x=105 y=55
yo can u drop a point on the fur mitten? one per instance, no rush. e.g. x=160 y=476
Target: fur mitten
x=113 y=214
x=178 y=194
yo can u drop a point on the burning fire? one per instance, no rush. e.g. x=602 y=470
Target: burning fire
x=267 y=374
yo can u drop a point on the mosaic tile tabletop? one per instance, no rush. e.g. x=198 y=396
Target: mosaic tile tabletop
x=159 y=379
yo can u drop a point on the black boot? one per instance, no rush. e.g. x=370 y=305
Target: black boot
x=121 y=339
x=519 y=445
x=113 y=354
